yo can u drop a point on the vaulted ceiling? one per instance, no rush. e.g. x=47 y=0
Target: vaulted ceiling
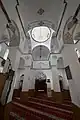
x=52 y=10
x=38 y=10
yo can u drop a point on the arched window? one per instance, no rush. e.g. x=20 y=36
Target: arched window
x=41 y=34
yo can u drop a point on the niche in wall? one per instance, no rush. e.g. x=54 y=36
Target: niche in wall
x=21 y=63
x=48 y=80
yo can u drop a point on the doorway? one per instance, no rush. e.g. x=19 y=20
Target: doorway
x=41 y=86
x=40 y=82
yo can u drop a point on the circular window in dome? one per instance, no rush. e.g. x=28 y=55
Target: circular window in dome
x=41 y=33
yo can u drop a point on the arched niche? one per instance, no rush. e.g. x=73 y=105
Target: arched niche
x=40 y=53
x=53 y=59
x=60 y=63
x=21 y=63
x=40 y=76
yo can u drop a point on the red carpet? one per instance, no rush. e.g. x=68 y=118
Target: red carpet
x=40 y=108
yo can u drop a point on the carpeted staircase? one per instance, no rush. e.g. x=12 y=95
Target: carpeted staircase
x=40 y=108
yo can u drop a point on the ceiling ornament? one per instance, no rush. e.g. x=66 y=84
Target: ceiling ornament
x=46 y=23
x=40 y=11
x=41 y=65
x=41 y=23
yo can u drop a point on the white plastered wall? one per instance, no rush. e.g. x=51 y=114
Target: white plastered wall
x=70 y=58
x=29 y=80
x=62 y=73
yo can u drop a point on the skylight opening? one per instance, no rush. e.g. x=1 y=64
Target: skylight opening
x=41 y=33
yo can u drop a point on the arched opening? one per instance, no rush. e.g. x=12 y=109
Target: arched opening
x=41 y=33
x=40 y=82
x=40 y=52
x=21 y=63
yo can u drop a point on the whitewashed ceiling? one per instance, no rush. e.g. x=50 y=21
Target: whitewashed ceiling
x=28 y=10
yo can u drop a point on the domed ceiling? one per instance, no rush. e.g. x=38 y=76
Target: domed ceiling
x=41 y=34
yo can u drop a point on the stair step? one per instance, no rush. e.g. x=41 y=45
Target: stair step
x=52 y=110
x=49 y=98
x=49 y=109
x=51 y=103
x=66 y=111
x=37 y=112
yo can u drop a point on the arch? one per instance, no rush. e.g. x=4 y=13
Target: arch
x=41 y=34
x=21 y=63
x=46 y=23
x=40 y=75
x=60 y=63
x=40 y=52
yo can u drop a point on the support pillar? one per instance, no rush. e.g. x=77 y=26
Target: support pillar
x=55 y=78
x=64 y=79
x=26 y=89
x=57 y=95
x=26 y=83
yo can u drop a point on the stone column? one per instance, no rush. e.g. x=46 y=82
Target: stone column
x=27 y=89
x=64 y=79
x=55 y=78
x=26 y=82
x=57 y=94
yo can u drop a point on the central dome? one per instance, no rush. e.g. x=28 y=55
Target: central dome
x=41 y=33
